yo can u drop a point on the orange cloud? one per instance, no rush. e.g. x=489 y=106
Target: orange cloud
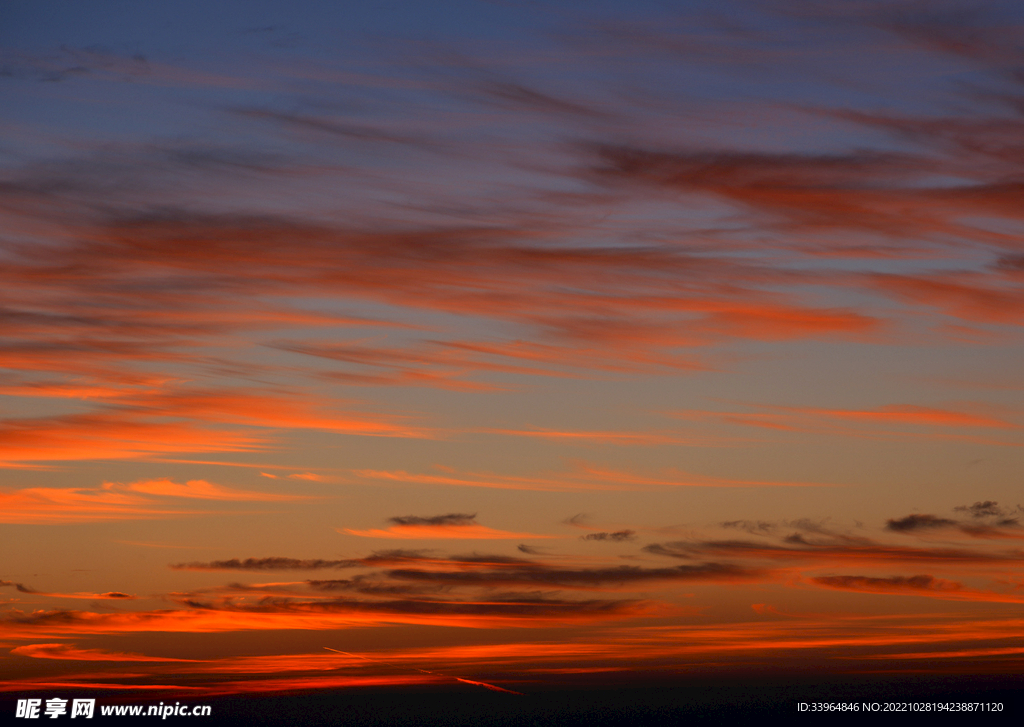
x=138 y=423
x=109 y=595
x=74 y=504
x=69 y=652
x=837 y=643
x=249 y=686
x=200 y=490
x=972 y=297
x=910 y=414
x=323 y=616
x=265 y=410
x=112 y=436
x=116 y=501
x=468 y=532
x=622 y=438
x=582 y=477
x=823 y=420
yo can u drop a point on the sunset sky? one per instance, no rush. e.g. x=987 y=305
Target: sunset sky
x=508 y=344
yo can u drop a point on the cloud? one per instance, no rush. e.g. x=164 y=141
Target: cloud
x=793 y=191
x=578 y=521
x=201 y=490
x=69 y=652
x=310 y=476
x=453 y=525
x=969 y=297
x=581 y=477
x=894 y=584
x=754 y=527
x=922 y=585
x=456 y=519
x=102 y=64
x=618 y=536
x=1000 y=523
x=138 y=269
x=265 y=410
x=988 y=508
x=536 y=574
x=369 y=587
x=620 y=438
x=52 y=505
x=918 y=522
x=864 y=552
x=836 y=421
x=194 y=616
x=321 y=125
x=112 y=436
x=260 y=564
x=274 y=563
x=467 y=532
x=118 y=501
x=379 y=559
x=111 y=595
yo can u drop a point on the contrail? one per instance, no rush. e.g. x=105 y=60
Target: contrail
x=485 y=685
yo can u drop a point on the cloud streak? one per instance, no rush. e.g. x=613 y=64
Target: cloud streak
x=451 y=526
x=117 y=501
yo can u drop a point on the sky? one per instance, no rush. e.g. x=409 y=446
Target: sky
x=508 y=344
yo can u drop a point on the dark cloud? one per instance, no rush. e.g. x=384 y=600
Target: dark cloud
x=380 y=558
x=370 y=587
x=799 y=191
x=797 y=539
x=539 y=575
x=860 y=551
x=20 y=587
x=396 y=556
x=578 y=520
x=988 y=508
x=259 y=564
x=520 y=96
x=754 y=527
x=911 y=523
x=1011 y=263
x=999 y=529
x=1000 y=521
x=455 y=518
x=978 y=30
x=618 y=536
x=512 y=607
x=895 y=583
x=825 y=532
x=331 y=126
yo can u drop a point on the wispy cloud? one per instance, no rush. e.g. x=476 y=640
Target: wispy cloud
x=203 y=490
x=455 y=525
x=582 y=476
x=64 y=505
x=616 y=537
x=117 y=501
x=71 y=653
x=534 y=575
x=272 y=563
